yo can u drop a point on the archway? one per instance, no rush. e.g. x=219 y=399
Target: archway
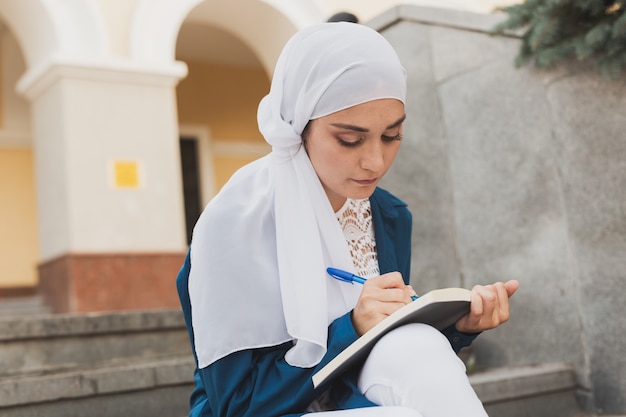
x=217 y=105
x=264 y=25
x=230 y=54
x=19 y=253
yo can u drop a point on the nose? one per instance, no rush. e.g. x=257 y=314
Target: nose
x=373 y=158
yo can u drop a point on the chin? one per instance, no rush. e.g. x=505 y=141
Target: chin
x=363 y=193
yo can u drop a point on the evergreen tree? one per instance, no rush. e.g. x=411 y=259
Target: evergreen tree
x=560 y=30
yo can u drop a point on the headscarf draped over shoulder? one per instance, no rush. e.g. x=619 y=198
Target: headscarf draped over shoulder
x=261 y=247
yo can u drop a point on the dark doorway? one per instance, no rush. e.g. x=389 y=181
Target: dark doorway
x=191 y=182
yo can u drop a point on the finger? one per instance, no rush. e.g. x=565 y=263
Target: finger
x=390 y=280
x=491 y=305
x=375 y=291
x=393 y=295
x=411 y=291
x=487 y=292
x=388 y=309
x=503 y=302
x=477 y=307
x=470 y=322
x=489 y=296
x=511 y=286
x=380 y=303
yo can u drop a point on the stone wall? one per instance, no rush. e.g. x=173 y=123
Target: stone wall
x=517 y=173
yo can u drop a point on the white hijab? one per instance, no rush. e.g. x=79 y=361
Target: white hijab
x=261 y=247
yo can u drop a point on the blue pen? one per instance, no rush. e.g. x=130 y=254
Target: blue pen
x=346 y=276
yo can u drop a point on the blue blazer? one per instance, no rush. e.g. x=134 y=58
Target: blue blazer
x=225 y=387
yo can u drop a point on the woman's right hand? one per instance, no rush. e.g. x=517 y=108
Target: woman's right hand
x=381 y=296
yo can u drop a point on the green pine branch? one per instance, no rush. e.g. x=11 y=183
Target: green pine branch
x=558 y=31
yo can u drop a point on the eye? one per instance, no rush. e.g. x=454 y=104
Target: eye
x=350 y=142
x=386 y=138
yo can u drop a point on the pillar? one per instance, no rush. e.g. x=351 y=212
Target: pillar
x=108 y=180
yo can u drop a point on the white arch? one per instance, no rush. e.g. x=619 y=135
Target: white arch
x=264 y=25
x=155 y=28
x=32 y=26
x=55 y=28
x=80 y=28
x=301 y=13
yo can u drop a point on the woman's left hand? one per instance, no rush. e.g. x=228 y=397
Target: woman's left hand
x=489 y=307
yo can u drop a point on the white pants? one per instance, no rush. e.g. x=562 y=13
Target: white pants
x=413 y=372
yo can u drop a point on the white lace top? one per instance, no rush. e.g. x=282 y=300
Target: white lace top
x=355 y=218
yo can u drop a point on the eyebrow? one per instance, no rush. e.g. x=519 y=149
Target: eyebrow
x=365 y=130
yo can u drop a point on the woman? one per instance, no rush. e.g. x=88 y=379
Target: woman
x=262 y=313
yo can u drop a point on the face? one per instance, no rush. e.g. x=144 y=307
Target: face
x=352 y=149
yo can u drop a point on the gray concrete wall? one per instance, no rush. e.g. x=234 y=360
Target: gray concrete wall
x=517 y=173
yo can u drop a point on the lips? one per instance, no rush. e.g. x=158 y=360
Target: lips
x=367 y=182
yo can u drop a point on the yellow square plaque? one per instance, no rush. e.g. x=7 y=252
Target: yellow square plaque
x=126 y=174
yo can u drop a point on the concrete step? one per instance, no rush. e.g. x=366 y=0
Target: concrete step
x=157 y=387
x=32 y=345
x=96 y=364
x=547 y=390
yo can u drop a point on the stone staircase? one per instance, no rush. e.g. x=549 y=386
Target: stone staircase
x=139 y=364
x=100 y=364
